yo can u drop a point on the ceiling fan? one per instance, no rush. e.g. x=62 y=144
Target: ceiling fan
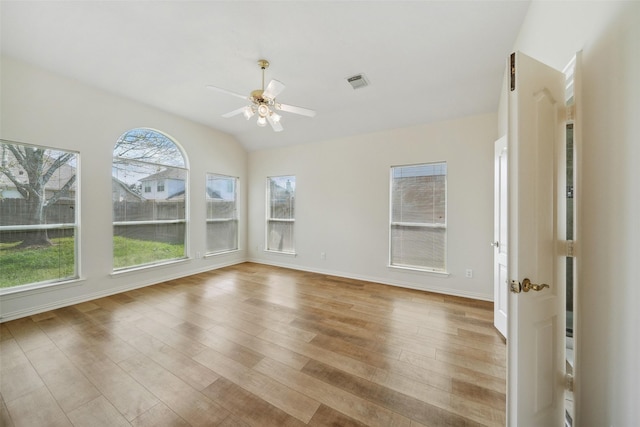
x=263 y=102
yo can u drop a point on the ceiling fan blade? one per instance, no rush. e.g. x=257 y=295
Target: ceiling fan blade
x=274 y=88
x=295 y=110
x=275 y=124
x=234 y=112
x=228 y=92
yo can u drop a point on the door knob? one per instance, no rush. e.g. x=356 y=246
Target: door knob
x=527 y=286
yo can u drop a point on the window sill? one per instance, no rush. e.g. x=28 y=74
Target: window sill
x=420 y=270
x=25 y=290
x=291 y=254
x=214 y=254
x=125 y=271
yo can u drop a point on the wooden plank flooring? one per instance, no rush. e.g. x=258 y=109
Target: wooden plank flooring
x=254 y=345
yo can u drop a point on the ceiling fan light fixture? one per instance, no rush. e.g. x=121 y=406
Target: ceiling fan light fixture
x=264 y=110
x=262 y=121
x=275 y=117
x=248 y=112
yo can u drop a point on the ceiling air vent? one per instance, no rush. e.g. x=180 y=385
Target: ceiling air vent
x=358 y=81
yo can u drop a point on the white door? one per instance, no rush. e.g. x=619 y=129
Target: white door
x=500 y=281
x=536 y=318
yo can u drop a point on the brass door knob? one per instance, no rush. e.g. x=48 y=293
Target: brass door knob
x=527 y=286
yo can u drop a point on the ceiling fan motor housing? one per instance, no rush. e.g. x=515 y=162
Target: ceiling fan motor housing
x=256 y=97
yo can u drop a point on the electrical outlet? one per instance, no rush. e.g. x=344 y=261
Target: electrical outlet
x=323 y=255
x=198 y=255
x=468 y=273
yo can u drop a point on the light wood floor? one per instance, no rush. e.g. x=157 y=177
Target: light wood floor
x=253 y=345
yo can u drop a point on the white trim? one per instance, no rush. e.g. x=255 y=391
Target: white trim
x=37 y=288
x=224 y=252
x=420 y=270
x=148 y=266
x=396 y=283
x=271 y=251
x=38 y=227
x=150 y=222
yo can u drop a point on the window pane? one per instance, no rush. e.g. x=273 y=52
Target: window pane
x=419 y=199
x=281 y=213
x=418 y=247
x=222 y=225
x=280 y=236
x=148 y=146
x=136 y=245
x=282 y=197
x=419 y=194
x=222 y=236
x=148 y=195
x=28 y=265
x=38 y=218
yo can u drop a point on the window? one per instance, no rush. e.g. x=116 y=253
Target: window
x=148 y=227
x=418 y=237
x=281 y=195
x=222 y=214
x=38 y=215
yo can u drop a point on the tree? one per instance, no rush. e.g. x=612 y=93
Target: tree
x=149 y=146
x=39 y=165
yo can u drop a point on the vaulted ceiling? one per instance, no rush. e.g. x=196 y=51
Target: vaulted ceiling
x=426 y=61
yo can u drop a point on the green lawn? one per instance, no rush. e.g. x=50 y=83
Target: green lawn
x=56 y=262
x=23 y=266
x=129 y=252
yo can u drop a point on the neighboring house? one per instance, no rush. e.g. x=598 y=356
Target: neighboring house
x=122 y=193
x=164 y=185
x=220 y=189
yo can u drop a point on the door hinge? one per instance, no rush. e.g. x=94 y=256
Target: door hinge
x=567 y=113
x=569 y=248
x=566 y=248
x=512 y=71
x=571 y=113
x=568 y=382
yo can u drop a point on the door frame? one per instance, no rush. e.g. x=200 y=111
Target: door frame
x=500 y=255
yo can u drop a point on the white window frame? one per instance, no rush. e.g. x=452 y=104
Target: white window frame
x=75 y=226
x=185 y=168
x=418 y=225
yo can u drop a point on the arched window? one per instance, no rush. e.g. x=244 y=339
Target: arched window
x=149 y=194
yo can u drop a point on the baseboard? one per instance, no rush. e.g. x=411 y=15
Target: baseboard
x=398 y=283
x=111 y=291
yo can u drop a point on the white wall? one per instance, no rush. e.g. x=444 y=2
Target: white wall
x=342 y=203
x=42 y=108
x=608 y=334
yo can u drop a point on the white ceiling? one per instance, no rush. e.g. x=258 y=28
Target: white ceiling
x=426 y=60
